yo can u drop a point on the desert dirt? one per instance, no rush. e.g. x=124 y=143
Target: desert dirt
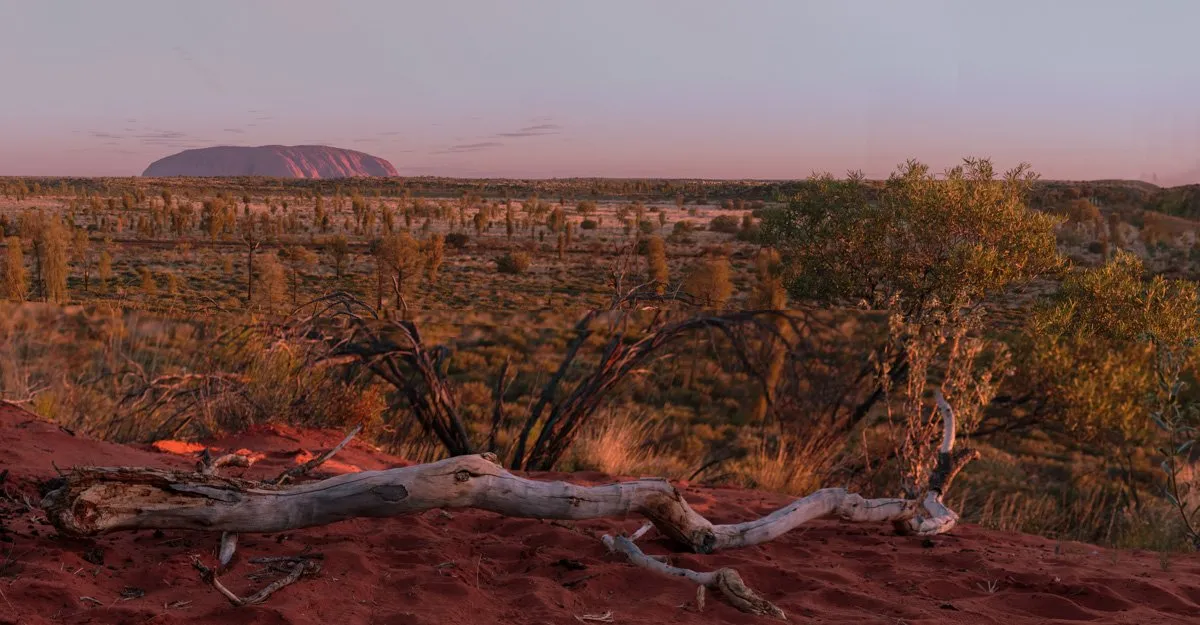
x=467 y=566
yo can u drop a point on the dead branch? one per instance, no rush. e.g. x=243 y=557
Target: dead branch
x=210 y=466
x=727 y=580
x=98 y=500
x=305 y=468
x=392 y=350
x=300 y=568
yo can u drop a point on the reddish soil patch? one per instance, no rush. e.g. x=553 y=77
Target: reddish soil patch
x=476 y=567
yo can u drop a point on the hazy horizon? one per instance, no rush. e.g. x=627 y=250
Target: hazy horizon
x=676 y=89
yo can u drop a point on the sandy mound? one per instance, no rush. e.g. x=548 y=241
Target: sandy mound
x=478 y=568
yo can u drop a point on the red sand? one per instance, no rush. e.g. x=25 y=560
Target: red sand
x=480 y=568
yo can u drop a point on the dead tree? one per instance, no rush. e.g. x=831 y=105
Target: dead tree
x=91 y=501
x=394 y=351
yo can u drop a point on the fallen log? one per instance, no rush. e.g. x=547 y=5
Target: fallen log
x=96 y=500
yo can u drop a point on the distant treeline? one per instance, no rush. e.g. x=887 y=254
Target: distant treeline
x=1124 y=195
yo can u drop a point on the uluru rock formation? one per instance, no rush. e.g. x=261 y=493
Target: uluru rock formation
x=297 y=161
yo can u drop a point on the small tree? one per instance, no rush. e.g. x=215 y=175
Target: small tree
x=81 y=245
x=656 y=261
x=104 y=270
x=434 y=249
x=271 y=282
x=709 y=282
x=55 y=242
x=298 y=258
x=339 y=249
x=252 y=241
x=400 y=260
x=149 y=286
x=13 y=275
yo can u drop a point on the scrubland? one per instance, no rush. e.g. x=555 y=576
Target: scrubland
x=145 y=309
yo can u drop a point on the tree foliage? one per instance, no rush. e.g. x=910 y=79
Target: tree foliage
x=919 y=243
x=1089 y=353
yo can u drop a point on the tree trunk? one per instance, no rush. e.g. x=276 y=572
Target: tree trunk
x=249 y=274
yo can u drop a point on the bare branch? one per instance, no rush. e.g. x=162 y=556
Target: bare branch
x=726 y=580
x=305 y=468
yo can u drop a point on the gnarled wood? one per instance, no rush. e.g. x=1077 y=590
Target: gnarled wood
x=98 y=500
x=726 y=580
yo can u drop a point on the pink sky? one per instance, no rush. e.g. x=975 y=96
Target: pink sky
x=529 y=88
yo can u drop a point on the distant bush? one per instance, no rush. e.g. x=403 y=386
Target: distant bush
x=767 y=212
x=589 y=224
x=728 y=224
x=683 y=227
x=513 y=263
x=457 y=240
x=646 y=226
x=753 y=234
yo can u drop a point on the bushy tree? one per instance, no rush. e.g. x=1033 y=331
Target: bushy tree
x=1088 y=354
x=104 y=270
x=656 y=262
x=710 y=283
x=918 y=244
x=298 y=258
x=434 y=249
x=401 y=262
x=270 y=282
x=13 y=276
x=928 y=250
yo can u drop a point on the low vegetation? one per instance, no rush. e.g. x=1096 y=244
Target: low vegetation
x=632 y=327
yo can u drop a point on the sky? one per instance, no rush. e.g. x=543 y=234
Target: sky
x=1081 y=89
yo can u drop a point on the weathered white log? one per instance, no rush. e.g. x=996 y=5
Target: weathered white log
x=98 y=500
x=727 y=580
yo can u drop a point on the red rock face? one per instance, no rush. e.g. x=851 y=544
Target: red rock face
x=282 y=161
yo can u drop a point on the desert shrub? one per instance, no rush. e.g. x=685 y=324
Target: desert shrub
x=270 y=282
x=513 y=262
x=589 y=224
x=646 y=226
x=12 y=272
x=400 y=258
x=457 y=240
x=683 y=227
x=656 y=261
x=750 y=234
x=728 y=224
x=709 y=282
x=434 y=249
